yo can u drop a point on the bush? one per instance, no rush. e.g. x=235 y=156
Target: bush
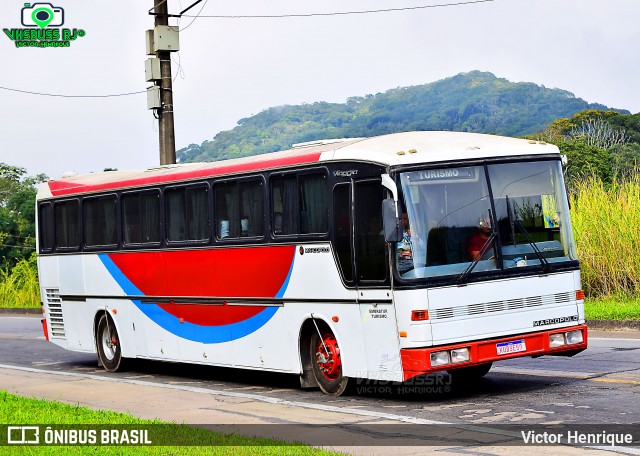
x=605 y=224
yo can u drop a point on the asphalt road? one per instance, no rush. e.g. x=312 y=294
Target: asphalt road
x=598 y=386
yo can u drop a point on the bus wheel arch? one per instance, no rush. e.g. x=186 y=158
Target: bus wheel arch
x=108 y=342
x=321 y=358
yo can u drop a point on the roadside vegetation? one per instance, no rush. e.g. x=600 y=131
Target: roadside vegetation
x=19 y=285
x=605 y=221
x=25 y=411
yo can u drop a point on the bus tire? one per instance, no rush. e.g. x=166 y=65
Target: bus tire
x=327 y=367
x=470 y=373
x=108 y=344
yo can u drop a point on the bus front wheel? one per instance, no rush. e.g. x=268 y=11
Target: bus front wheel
x=327 y=362
x=108 y=344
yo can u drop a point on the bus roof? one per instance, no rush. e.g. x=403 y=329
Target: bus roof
x=388 y=150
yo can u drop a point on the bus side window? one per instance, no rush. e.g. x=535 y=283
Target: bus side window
x=313 y=203
x=67 y=222
x=187 y=214
x=175 y=214
x=45 y=227
x=283 y=202
x=370 y=246
x=99 y=221
x=197 y=214
x=342 y=229
x=141 y=214
x=252 y=209
x=227 y=215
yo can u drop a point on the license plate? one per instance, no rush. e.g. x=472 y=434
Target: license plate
x=514 y=346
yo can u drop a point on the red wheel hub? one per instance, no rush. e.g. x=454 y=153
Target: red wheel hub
x=328 y=357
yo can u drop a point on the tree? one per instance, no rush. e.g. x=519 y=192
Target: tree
x=625 y=159
x=584 y=160
x=17 y=214
x=599 y=133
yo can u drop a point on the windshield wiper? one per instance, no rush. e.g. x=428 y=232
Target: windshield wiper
x=463 y=276
x=543 y=261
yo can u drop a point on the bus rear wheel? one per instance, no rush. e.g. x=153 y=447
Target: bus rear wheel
x=108 y=344
x=327 y=362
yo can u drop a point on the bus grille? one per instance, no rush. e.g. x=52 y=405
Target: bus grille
x=501 y=306
x=54 y=303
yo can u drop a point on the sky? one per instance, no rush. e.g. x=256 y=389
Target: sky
x=228 y=69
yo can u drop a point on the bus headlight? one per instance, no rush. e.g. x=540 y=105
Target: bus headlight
x=460 y=355
x=556 y=340
x=440 y=358
x=574 y=337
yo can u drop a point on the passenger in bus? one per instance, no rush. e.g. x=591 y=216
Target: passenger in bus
x=477 y=241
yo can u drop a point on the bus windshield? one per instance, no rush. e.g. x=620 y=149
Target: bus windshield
x=452 y=226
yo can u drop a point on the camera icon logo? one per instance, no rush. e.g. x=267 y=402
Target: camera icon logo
x=42 y=15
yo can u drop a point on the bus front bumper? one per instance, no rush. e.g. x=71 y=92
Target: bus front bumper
x=418 y=361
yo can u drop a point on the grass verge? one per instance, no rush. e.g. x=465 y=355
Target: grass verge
x=612 y=308
x=17 y=410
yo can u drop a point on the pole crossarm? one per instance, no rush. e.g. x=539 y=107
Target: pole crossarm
x=153 y=13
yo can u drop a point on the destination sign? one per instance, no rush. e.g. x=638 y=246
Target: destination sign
x=444 y=174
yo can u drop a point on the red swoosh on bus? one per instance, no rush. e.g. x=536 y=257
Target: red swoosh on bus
x=255 y=272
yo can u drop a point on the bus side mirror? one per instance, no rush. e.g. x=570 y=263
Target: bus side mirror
x=391 y=221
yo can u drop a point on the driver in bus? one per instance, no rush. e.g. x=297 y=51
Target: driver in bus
x=477 y=241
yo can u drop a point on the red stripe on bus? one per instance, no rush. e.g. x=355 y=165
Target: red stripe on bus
x=257 y=272
x=61 y=187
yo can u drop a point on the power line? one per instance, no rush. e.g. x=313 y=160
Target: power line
x=274 y=16
x=72 y=96
x=194 y=18
x=338 y=13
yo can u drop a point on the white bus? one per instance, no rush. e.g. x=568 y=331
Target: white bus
x=379 y=258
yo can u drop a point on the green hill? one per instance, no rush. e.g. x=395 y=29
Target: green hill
x=475 y=102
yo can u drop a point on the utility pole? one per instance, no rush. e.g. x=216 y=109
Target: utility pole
x=165 y=112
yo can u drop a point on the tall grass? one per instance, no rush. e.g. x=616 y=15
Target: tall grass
x=19 y=285
x=606 y=224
